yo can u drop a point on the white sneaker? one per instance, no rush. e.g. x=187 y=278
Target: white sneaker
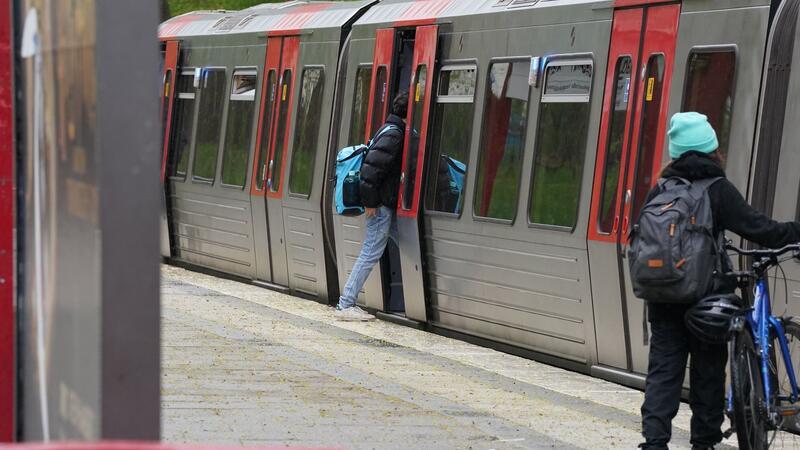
x=353 y=314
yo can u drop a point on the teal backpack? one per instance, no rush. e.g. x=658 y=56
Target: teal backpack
x=348 y=176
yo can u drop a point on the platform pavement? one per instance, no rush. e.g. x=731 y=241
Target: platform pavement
x=245 y=365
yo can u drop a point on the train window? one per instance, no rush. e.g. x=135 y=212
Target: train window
x=709 y=89
x=505 y=120
x=651 y=118
x=264 y=146
x=561 y=144
x=450 y=138
x=417 y=107
x=209 y=124
x=358 y=123
x=379 y=102
x=276 y=163
x=306 y=134
x=239 y=129
x=182 y=122
x=611 y=174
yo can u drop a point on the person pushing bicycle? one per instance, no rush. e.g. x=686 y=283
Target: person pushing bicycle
x=696 y=160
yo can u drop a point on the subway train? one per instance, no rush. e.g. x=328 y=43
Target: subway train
x=535 y=129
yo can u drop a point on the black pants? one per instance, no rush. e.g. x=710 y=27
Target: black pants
x=670 y=345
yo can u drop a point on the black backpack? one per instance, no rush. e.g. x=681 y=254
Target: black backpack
x=674 y=254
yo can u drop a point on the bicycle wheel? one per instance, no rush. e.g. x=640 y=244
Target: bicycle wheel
x=749 y=405
x=790 y=419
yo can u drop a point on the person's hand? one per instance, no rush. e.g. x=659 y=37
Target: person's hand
x=371 y=212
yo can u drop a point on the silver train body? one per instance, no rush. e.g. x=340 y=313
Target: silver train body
x=535 y=129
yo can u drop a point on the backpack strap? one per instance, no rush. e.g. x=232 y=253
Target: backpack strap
x=706 y=183
x=381 y=132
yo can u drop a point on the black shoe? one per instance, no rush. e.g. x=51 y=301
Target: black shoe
x=646 y=446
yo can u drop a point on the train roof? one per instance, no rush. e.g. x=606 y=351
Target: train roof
x=268 y=17
x=300 y=14
x=399 y=11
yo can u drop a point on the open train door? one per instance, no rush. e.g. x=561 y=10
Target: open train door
x=352 y=229
x=629 y=159
x=167 y=102
x=411 y=180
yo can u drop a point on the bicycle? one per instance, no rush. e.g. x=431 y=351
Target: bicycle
x=763 y=396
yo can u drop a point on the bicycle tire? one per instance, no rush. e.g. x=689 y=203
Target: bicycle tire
x=749 y=404
x=791 y=328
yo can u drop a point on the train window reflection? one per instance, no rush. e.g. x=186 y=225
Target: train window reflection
x=285 y=97
x=450 y=139
x=560 y=145
x=648 y=138
x=358 y=123
x=165 y=96
x=239 y=128
x=709 y=89
x=307 y=131
x=503 y=140
x=379 y=101
x=182 y=122
x=620 y=102
x=209 y=124
x=266 y=123
x=417 y=105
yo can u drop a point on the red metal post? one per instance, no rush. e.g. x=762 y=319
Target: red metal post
x=7 y=221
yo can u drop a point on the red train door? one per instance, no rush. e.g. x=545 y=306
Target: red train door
x=167 y=98
x=382 y=68
x=285 y=69
x=261 y=160
x=169 y=76
x=629 y=159
x=412 y=177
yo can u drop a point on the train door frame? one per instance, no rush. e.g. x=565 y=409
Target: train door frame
x=656 y=40
x=169 y=78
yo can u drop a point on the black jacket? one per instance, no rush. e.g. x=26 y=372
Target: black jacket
x=730 y=212
x=380 y=171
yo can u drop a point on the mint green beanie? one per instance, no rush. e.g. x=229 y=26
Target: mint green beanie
x=690 y=131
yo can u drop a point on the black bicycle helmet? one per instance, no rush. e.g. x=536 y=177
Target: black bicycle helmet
x=709 y=320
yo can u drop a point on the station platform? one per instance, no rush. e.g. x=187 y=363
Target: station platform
x=244 y=365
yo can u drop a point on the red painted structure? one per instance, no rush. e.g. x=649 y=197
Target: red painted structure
x=129 y=445
x=289 y=48
x=168 y=97
x=8 y=207
x=424 y=56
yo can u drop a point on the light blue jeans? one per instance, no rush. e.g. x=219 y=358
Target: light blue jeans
x=380 y=227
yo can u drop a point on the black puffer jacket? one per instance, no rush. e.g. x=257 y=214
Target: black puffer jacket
x=731 y=213
x=380 y=171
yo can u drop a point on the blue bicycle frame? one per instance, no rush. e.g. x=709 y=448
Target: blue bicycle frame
x=763 y=328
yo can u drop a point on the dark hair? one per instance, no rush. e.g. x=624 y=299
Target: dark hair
x=715 y=156
x=400 y=104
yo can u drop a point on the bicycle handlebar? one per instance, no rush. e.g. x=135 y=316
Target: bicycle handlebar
x=764 y=253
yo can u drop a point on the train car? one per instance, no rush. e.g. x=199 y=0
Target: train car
x=247 y=124
x=535 y=129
